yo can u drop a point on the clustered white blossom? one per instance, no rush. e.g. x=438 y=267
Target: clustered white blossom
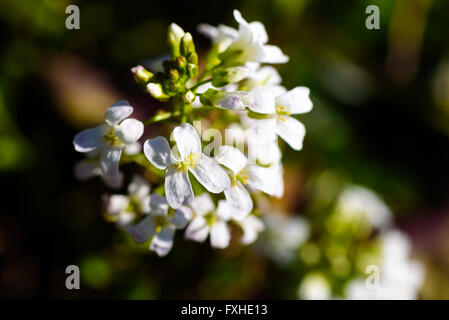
x=235 y=81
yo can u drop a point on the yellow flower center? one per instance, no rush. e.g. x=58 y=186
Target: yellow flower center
x=111 y=138
x=282 y=112
x=189 y=162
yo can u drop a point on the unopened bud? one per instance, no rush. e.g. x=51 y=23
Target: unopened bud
x=188 y=97
x=192 y=70
x=181 y=62
x=174 y=74
x=175 y=34
x=222 y=77
x=141 y=75
x=155 y=90
x=187 y=45
x=223 y=99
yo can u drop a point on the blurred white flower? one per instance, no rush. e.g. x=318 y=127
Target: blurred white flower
x=160 y=225
x=251 y=226
x=400 y=277
x=178 y=188
x=123 y=209
x=356 y=201
x=315 y=286
x=208 y=220
x=110 y=138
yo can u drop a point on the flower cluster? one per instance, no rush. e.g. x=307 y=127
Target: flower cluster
x=205 y=189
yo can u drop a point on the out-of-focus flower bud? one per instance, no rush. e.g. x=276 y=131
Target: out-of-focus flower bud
x=175 y=34
x=141 y=75
x=181 y=62
x=192 y=70
x=187 y=45
x=222 y=77
x=188 y=97
x=155 y=90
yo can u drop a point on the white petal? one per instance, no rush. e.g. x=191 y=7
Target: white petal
x=116 y=203
x=144 y=203
x=133 y=149
x=143 y=230
x=129 y=131
x=231 y=158
x=238 y=17
x=266 y=179
x=262 y=132
x=202 y=204
x=158 y=205
x=220 y=235
x=90 y=139
x=259 y=32
x=163 y=241
x=239 y=198
x=86 y=169
x=158 y=152
x=139 y=187
x=291 y=131
x=273 y=55
x=114 y=182
x=251 y=226
x=232 y=101
x=268 y=153
x=224 y=210
x=296 y=100
x=117 y=112
x=197 y=230
x=262 y=101
x=267 y=75
x=207 y=30
x=109 y=160
x=178 y=189
x=187 y=140
x=181 y=217
x=210 y=174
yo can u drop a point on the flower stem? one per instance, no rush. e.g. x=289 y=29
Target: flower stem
x=162 y=116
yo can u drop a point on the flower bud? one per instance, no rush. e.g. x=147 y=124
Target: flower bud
x=222 y=77
x=175 y=34
x=141 y=75
x=226 y=100
x=155 y=90
x=187 y=45
x=174 y=74
x=188 y=97
x=192 y=70
x=181 y=62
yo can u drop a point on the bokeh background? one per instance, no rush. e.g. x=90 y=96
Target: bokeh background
x=380 y=119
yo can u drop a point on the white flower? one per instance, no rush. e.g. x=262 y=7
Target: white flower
x=178 y=189
x=90 y=167
x=314 y=286
x=160 y=225
x=251 y=226
x=356 y=201
x=110 y=138
x=208 y=220
x=247 y=44
x=400 y=277
x=266 y=76
x=283 y=235
x=279 y=106
x=125 y=208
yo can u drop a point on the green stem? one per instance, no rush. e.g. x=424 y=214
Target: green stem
x=162 y=117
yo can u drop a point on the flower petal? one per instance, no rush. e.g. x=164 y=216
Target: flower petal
x=197 y=230
x=109 y=160
x=158 y=152
x=187 y=140
x=262 y=101
x=139 y=187
x=158 y=205
x=181 y=217
x=266 y=179
x=163 y=241
x=296 y=100
x=129 y=131
x=251 y=227
x=239 y=198
x=86 y=169
x=231 y=158
x=273 y=54
x=202 y=204
x=114 y=182
x=117 y=112
x=210 y=174
x=133 y=149
x=116 y=203
x=291 y=131
x=143 y=230
x=220 y=235
x=178 y=189
x=90 y=139
x=224 y=210
x=262 y=132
